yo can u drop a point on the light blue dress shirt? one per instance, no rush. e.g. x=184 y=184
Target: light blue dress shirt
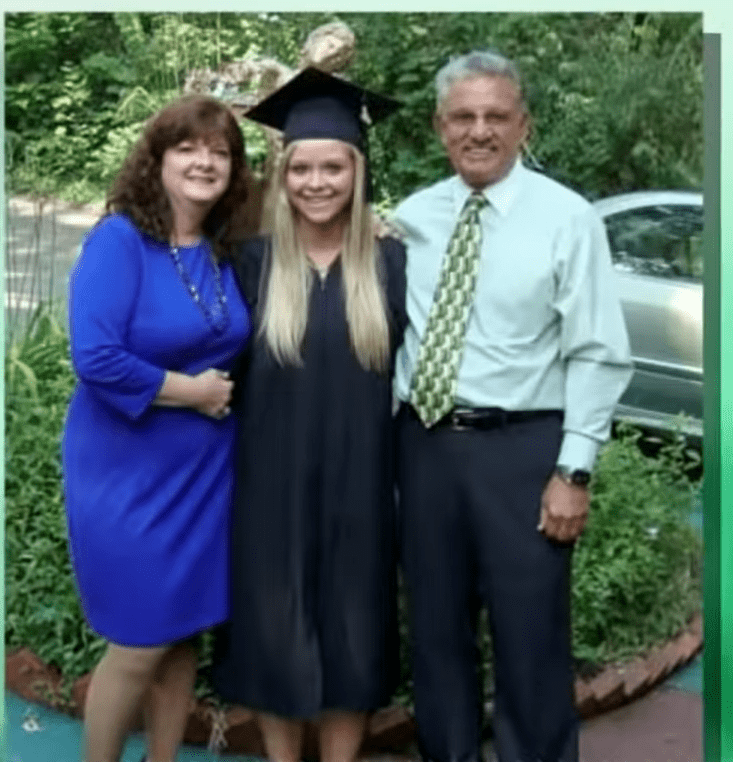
x=546 y=329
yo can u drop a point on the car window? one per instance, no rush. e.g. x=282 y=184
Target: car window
x=662 y=240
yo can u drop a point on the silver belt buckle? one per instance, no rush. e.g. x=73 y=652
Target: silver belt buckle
x=455 y=421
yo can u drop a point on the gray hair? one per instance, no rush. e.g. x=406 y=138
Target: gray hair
x=479 y=63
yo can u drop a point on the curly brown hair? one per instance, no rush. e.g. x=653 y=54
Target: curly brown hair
x=138 y=190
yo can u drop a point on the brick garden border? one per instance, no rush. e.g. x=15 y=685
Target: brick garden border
x=390 y=730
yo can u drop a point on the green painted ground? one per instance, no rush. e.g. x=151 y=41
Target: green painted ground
x=59 y=738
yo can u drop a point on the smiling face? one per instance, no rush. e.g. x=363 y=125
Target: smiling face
x=196 y=171
x=482 y=125
x=319 y=181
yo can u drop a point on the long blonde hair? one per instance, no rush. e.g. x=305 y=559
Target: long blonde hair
x=290 y=279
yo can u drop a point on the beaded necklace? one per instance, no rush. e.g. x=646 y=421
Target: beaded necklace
x=218 y=316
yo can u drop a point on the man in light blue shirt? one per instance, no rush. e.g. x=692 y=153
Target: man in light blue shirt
x=493 y=495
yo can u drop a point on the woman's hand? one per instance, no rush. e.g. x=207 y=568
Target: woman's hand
x=209 y=392
x=214 y=393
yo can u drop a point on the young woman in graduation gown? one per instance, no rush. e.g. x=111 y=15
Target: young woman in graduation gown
x=312 y=633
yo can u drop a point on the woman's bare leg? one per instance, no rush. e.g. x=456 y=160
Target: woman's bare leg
x=341 y=734
x=283 y=737
x=115 y=695
x=168 y=701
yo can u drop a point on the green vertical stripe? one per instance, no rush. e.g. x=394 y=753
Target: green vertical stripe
x=711 y=361
x=2 y=423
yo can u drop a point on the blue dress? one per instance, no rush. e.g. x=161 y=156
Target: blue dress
x=147 y=488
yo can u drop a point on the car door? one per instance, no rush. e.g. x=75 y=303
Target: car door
x=657 y=256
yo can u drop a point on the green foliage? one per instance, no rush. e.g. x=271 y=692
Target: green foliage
x=63 y=71
x=42 y=609
x=599 y=86
x=106 y=160
x=75 y=107
x=608 y=126
x=636 y=569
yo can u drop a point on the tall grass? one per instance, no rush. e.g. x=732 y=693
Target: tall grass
x=42 y=610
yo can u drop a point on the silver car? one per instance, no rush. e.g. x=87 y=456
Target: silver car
x=655 y=239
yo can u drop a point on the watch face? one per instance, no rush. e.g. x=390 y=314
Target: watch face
x=580 y=477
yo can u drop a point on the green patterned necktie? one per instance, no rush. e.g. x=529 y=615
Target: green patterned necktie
x=436 y=370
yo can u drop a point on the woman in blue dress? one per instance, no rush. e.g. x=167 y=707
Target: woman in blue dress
x=156 y=320
x=312 y=632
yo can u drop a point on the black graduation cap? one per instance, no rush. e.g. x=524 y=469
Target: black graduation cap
x=314 y=104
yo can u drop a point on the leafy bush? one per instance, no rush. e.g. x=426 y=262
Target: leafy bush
x=42 y=611
x=636 y=575
x=636 y=571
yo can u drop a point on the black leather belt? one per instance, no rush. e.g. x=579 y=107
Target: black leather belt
x=484 y=418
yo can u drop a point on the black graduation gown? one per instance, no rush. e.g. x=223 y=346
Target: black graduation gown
x=313 y=609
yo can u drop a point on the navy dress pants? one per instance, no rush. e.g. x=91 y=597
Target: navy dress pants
x=469 y=508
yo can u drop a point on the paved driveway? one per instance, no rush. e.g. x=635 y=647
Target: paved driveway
x=41 y=243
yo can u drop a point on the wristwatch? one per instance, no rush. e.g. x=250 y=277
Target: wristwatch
x=576 y=476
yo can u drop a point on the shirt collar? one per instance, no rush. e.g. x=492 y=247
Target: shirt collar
x=500 y=195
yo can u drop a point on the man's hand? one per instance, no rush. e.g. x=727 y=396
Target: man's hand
x=564 y=510
x=384 y=227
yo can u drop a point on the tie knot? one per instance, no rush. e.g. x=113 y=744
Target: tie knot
x=475 y=203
